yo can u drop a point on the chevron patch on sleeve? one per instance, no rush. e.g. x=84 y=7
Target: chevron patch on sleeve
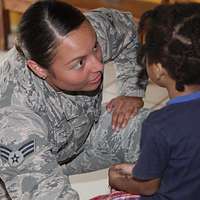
x=16 y=157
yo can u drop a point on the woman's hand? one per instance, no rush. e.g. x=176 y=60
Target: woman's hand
x=123 y=108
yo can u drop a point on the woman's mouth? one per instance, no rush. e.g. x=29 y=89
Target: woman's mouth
x=96 y=80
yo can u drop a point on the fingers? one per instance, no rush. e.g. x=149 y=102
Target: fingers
x=119 y=121
x=131 y=113
x=123 y=109
x=121 y=117
x=110 y=106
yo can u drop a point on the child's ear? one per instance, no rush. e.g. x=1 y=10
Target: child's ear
x=160 y=72
x=37 y=69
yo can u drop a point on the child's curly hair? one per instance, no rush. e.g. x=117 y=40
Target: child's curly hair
x=172 y=38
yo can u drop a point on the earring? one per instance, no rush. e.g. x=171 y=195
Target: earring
x=44 y=77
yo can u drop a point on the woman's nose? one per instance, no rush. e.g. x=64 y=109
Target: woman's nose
x=96 y=64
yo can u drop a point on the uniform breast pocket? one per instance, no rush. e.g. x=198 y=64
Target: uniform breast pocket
x=62 y=133
x=82 y=126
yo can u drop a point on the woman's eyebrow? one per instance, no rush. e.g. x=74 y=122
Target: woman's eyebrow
x=82 y=56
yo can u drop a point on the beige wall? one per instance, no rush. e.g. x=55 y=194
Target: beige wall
x=14 y=18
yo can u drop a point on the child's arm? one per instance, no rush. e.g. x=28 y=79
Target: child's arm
x=120 y=178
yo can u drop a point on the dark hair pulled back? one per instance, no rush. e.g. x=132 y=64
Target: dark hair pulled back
x=42 y=26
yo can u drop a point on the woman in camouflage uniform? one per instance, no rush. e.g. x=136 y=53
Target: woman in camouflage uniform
x=52 y=122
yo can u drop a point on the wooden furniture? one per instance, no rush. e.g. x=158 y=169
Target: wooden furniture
x=137 y=7
x=182 y=1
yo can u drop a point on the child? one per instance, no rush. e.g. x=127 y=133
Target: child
x=169 y=163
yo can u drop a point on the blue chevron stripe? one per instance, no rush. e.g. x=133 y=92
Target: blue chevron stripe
x=4 y=152
x=28 y=152
x=25 y=145
x=3 y=156
x=5 y=148
x=27 y=148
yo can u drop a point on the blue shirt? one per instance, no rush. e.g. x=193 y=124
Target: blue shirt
x=170 y=149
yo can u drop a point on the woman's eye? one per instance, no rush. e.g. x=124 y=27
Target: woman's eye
x=79 y=64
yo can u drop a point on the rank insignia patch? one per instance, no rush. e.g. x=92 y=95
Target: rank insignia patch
x=15 y=158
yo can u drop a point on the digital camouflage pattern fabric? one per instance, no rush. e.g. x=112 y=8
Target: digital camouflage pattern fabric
x=47 y=135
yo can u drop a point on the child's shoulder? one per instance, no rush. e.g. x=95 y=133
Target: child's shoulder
x=160 y=114
x=158 y=122
x=166 y=116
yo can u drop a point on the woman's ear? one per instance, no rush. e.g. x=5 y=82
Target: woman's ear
x=37 y=69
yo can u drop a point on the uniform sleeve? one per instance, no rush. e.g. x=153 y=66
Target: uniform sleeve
x=117 y=35
x=154 y=154
x=28 y=168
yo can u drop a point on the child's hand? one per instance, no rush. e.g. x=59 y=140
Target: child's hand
x=119 y=173
x=123 y=168
x=123 y=108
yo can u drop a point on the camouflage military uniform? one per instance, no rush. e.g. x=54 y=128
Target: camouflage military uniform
x=47 y=135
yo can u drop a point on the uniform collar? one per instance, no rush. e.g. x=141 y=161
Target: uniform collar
x=185 y=98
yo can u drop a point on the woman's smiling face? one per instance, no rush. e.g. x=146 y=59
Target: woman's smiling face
x=77 y=65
